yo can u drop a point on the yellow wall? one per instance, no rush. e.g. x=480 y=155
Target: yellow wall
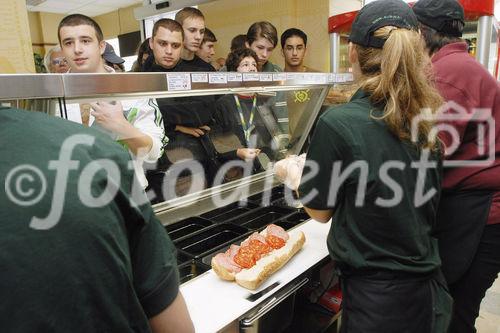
x=16 y=53
x=36 y=32
x=118 y=22
x=228 y=18
x=43 y=26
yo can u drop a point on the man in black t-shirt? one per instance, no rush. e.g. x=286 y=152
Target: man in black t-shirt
x=186 y=119
x=193 y=23
x=87 y=254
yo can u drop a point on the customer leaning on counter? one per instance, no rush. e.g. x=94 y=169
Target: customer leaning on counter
x=137 y=124
x=380 y=237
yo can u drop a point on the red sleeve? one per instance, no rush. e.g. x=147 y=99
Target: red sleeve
x=460 y=105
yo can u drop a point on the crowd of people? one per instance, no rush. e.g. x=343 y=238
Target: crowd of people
x=404 y=267
x=168 y=130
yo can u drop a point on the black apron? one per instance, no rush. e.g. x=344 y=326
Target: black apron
x=376 y=301
x=460 y=222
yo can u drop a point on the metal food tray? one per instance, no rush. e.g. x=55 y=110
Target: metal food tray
x=191 y=270
x=230 y=212
x=187 y=227
x=211 y=239
x=261 y=217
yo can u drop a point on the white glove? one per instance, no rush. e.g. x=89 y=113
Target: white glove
x=289 y=170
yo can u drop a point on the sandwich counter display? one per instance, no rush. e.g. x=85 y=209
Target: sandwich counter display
x=204 y=217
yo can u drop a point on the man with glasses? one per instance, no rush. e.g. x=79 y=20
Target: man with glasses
x=55 y=62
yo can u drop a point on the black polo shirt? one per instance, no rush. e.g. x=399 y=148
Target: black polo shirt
x=101 y=267
x=396 y=236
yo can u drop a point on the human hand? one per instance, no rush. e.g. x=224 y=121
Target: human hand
x=193 y=131
x=289 y=170
x=205 y=128
x=247 y=154
x=110 y=116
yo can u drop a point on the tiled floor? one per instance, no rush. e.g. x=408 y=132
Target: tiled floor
x=489 y=314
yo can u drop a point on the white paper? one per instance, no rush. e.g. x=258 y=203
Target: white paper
x=199 y=77
x=266 y=77
x=279 y=76
x=217 y=78
x=178 y=81
x=234 y=77
x=251 y=77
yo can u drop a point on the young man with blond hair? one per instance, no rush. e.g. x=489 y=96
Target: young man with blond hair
x=193 y=23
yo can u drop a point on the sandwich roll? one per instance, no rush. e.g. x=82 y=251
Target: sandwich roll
x=258 y=257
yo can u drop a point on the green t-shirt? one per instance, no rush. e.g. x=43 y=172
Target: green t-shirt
x=270 y=67
x=100 y=268
x=396 y=236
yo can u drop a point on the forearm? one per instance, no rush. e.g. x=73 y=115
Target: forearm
x=175 y=318
x=319 y=215
x=137 y=142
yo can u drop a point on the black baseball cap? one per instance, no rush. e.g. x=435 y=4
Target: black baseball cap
x=110 y=56
x=378 y=14
x=437 y=13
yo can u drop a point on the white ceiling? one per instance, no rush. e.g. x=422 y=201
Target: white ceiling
x=86 y=7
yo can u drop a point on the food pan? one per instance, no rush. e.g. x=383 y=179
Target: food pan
x=276 y=194
x=285 y=225
x=207 y=257
x=186 y=227
x=263 y=216
x=183 y=258
x=229 y=212
x=211 y=239
x=298 y=217
x=191 y=270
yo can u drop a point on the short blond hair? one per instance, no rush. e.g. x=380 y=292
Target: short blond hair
x=188 y=12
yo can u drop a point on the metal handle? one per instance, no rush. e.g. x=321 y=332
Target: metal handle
x=272 y=303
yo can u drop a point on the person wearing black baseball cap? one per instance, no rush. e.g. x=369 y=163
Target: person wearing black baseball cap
x=380 y=237
x=112 y=59
x=468 y=220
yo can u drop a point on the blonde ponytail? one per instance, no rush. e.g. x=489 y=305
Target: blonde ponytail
x=396 y=76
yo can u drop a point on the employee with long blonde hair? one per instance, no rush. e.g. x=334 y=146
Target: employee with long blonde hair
x=372 y=183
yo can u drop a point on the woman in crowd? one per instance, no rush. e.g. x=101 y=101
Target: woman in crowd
x=238 y=116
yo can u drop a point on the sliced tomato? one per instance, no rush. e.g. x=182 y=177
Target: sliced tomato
x=260 y=247
x=245 y=257
x=275 y=242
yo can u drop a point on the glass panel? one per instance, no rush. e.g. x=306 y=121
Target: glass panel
x=217 y=139
x=48 y=106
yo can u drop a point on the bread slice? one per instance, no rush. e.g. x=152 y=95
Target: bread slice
x=253 y=277
x=221 y=272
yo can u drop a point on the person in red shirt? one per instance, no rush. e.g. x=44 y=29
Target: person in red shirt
x=468 y=221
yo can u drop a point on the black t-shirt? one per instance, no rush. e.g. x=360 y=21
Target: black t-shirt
x=372 y=234
x=228 y=121
x=192 y=111
x=100 y=267
x=197 y=65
